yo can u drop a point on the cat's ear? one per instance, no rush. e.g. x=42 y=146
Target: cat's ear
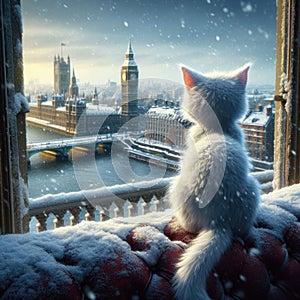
x=191 y=78
x=242 y=74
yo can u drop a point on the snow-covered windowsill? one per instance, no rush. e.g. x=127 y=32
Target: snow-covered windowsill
x=134 y=258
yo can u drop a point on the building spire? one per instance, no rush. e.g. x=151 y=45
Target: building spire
x=129 y=49
x=73 y=89
x=129 y=57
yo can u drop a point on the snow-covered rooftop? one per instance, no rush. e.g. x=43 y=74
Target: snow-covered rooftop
x=47 y=103
x=257 y=118
x=167 y=112
x=99 y=109
x=163 y=110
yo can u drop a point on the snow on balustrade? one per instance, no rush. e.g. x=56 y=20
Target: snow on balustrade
x=113 y=211
x=49 y=211
x=73 y=216
x=141 y=207
x=134 y=199
x=128 y=209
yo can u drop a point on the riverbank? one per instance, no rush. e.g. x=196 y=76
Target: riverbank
x=46 y=125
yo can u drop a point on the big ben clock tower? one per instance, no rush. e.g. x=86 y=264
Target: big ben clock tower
x=129 y=81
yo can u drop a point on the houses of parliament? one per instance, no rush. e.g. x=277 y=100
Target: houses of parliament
x=70 y=114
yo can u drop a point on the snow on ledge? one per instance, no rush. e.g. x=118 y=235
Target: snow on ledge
x=21 y=104
x=75 y=251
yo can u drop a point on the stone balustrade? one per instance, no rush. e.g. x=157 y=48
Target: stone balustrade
x=54 y=211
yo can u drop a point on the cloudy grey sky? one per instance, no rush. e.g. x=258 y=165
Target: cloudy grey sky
x=206 y=35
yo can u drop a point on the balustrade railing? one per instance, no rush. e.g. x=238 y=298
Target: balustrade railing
x=53 y=211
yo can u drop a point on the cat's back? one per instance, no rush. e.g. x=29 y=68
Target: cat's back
x=205 y=146
x=214 y=181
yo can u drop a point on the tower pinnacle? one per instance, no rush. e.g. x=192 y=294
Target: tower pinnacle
x=129 y=57
x=73 y=89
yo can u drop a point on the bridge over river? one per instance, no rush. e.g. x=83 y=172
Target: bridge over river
x=62 y=147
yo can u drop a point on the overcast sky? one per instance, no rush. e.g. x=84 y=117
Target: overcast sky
x=206 y=35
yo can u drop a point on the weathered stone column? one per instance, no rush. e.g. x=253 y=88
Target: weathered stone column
x=287 y=121
x=13 y=176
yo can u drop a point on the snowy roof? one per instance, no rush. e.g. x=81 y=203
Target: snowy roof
x=167 y=113
x=163 y=110
x=257 y=118
x=61 y=108
x=46 y=103
x=100 y=110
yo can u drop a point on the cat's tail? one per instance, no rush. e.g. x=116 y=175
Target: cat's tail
x=197 y=262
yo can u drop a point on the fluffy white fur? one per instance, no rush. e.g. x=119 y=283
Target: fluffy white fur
x=213 y=195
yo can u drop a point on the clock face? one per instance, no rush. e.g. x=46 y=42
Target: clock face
x=133 y=76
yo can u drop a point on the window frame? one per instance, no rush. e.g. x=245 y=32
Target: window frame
x=287 y=94
x=13 y=163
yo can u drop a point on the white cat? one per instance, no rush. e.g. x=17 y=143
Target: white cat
x=213 y=195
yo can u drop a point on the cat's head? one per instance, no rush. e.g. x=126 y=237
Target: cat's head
x=220 y=93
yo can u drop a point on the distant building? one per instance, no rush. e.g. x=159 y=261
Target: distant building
x=75 y=116
x=73 y=88
x=165 y=124
x=165 y=136
x=258 y=127
x=111 y=84
x=58 y=101
x=129 y=83
x=95 y=99
x=61 y=75
x=42 y=97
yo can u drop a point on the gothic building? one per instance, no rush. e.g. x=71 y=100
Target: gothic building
x=61 y=75
x=76 y=116
x=95 y=99
x=73 y=88
x=73 y=116
x=129 y=83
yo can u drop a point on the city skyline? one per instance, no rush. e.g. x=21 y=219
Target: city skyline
x=205 y=35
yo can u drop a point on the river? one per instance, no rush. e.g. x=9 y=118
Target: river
x=48 y=174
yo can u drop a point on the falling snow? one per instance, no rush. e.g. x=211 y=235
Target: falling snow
x=246 y=7
x=186 y=28
x=182 y=23
x=243 y=278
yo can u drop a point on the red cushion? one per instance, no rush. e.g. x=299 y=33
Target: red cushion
x=140 y=259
